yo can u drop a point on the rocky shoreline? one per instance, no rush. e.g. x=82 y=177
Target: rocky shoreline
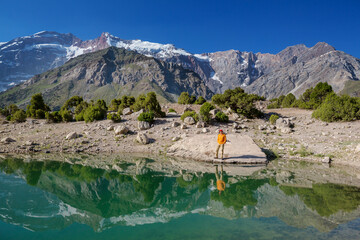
x=294 y=136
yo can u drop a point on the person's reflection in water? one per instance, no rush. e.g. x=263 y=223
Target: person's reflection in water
x=220 y=184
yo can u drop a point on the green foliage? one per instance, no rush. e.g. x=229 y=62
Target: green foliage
x=53 y=117
x=184 y=98
x=66 y=115
x=221 y=117
x=276 y=102
x=288 y=100
x=37 y=103
x=147 y=117
x=115 y=117
x=192 y=99
x=172 y=110
x=327 y=199
x=338 y=108
x=120 y=104
x=190 y=114
x=80 y=110
x=200 y=101
x=205 y=111
x=94 y=112
x=19 y=116
x=9 y=110
x=273 y=118
x=239 y=102
x=40 y=114
x=72 y=102
x=148 y=103
x=312 y=98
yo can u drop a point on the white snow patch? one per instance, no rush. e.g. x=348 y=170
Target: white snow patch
x=2 y=43
x=215 y=77
x=202 y=57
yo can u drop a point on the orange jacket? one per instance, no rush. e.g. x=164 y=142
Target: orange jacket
x=221 y=138
x=220 y=184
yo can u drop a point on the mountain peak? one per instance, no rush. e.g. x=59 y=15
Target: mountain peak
x=324 y=46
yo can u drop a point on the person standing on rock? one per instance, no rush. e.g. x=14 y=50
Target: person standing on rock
x=221 y=141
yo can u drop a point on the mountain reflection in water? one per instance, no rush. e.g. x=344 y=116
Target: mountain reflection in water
x=52 y=195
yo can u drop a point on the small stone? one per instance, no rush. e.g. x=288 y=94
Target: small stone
x=127 y=111
x=326 y=160
x=174 y=139
x=142 y=138
x=200 y=124
x=189 y=120
x=175 y=124
x=71 y=135
x=205 y=130
x=142 y=125
x=121 y=130
x=29 y=143
x=286 y=130
x=183 y=126
x=110 y=128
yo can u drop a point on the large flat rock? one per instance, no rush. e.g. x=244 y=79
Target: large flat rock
x=240 y=149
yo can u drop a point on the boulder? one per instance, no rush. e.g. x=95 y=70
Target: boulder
x=214 y=112
x=7 y=140
x=110 y=128
x=142 y=125
x=127 y=111
x=235 y=116
x=200 y=124
x=284 y=123
x=121 y=130
x=326 y=160
x=142 y=138
x=175 y=124
x=71 y=135
x=137 y=114
x=189 y=120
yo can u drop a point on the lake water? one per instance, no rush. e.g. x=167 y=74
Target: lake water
x=58 y=200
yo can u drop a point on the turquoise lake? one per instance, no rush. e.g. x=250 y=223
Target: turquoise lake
x=65 y=200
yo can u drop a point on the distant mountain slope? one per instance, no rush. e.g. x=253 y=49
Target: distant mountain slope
x=107 y=74
x=291 y=70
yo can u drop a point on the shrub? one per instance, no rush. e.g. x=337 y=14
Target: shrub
x=36 y=103
x=239 y=101
x=66 y=115
x=221 y=117
x=190 y=114
x=80 y=110
x=114 y=117
x=94 y=112
x=172 y=110
x=184 y=98
x=53 y=117
x=273 y=118
x=19 y=116
x=147 y=117
x=200 y=101
x=312 y=98
x=148 y=103
x=276 y=102
x=205 y=111
x=73 y=102
x=288 y=100
x=40 y=114
x=338 y=108
x=192 y=99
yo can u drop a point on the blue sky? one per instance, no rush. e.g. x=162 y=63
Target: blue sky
x=197 y=26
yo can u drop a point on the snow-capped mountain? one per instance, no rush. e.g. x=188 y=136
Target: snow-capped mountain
x=266 y=74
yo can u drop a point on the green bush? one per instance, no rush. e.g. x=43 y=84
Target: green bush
x=73 y=102
x=172 y=110
x=19 y=116
x=288 y=100
x=276 y=102
x=53 y=117
x=94 y=112
x=40 y=114
x=221 y=117
x=273 y=118
x=200 y=101
x=338 y=108
x=148 y=103
x=192 y=99
x=190 y=114
x=80 y=110
x=147 y=117
x=205 y=111
x=239 y=102
x=114 y=117
x=184 y=98
x=66 y=115
x=36 y=103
